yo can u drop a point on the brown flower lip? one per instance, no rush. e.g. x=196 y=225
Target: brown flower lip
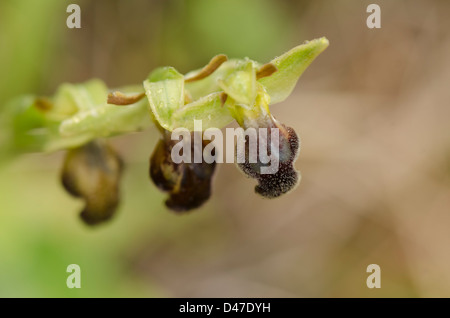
x=286 y=177
x=188 y=184
x=93 y=172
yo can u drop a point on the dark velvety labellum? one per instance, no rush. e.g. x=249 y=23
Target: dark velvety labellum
x=286 y=178
x=188 y=184
x=93 y=172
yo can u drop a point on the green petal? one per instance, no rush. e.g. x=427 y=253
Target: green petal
x=290 y=66
x=241 y=84
x=209 y=84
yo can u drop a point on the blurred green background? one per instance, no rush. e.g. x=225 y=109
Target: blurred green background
x=372 y=112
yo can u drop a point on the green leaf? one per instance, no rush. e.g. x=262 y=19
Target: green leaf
x=290 y=66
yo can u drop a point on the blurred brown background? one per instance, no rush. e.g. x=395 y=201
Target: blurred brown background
x=372 y=113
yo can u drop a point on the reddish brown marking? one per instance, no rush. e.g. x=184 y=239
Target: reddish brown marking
x=223 y=98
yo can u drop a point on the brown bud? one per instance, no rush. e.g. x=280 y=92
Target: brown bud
x=93 y=172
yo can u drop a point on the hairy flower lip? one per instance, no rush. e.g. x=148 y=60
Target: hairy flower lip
x=188 y=184
x=286 y=178
x=93 y=172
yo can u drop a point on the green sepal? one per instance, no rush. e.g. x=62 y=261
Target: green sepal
x=290 y=67
x=165 y=92
x=241 y=84
x=208 y=109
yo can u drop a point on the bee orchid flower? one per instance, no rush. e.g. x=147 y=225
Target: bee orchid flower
x=241 y=90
